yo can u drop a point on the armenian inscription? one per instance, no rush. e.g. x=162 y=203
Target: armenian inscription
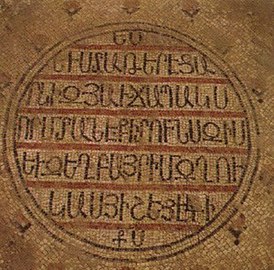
x=130 y=140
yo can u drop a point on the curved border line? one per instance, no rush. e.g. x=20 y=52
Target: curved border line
x=22 y=79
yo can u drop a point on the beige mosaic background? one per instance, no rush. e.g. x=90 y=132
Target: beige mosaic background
x=240 y=31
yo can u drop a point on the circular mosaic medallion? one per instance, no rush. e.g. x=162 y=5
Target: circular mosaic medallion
x=130 y=141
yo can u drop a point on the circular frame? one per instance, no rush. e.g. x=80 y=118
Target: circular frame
x=145 y=254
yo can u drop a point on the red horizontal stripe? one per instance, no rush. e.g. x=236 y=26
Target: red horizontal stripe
x=133 y=48
x=135 y=79
x=129 y=148
x=134 y=112
x=131 y=187
x=137 y=226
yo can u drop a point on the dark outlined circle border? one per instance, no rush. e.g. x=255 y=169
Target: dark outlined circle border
x=142 y=26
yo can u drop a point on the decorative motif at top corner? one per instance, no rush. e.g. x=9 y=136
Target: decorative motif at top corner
x=190 y=9
x=131 y=6
x=72 y=7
